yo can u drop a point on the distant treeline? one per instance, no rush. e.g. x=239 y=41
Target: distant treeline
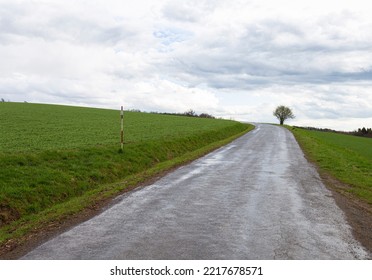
x=3 y=100
x=362 y=132
x=189 y=113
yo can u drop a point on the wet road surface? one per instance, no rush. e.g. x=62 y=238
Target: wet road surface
x=256 y=198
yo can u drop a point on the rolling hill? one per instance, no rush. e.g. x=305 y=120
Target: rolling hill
x=58 y=160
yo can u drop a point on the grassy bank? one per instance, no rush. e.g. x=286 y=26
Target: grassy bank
x=58 y=160
x=345 y=157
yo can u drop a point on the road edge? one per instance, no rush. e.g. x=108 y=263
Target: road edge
x=357 y=212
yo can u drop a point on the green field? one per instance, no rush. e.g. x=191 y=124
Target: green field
x=345 y=157
x=57 y=160
x=36 y=127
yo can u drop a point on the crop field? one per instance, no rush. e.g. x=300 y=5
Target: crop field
x=57 y=160
x=36 y=127
x=345 y=157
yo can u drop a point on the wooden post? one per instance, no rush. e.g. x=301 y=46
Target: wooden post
x=121 y=128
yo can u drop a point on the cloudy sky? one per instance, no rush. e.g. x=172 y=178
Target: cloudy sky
x=235 y=59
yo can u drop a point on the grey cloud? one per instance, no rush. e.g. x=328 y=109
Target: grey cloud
x=54 y=90
x=259 y=55
x=9 y=23
x=364 y=75
x=336 y=102
x=175 y=13
x=188 y=11
x=85 y=31
x=316 y=111
x=17 y=22
x=70 y=50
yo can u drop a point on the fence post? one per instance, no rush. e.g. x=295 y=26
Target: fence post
x=121 y=128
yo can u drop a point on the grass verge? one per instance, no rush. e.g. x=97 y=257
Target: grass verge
x=42 y=187
x=344 y=157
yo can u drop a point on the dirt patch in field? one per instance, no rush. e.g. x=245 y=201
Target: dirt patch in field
x=7 y=215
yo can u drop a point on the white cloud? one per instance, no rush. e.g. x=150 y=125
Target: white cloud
x=237 y=59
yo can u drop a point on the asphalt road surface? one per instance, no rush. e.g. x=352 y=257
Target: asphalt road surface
x=256 y=198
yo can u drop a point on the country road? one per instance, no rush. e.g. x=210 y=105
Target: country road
x=256 y=198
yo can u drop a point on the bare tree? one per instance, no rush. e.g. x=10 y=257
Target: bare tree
x=283 y=113
x=190 y=113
